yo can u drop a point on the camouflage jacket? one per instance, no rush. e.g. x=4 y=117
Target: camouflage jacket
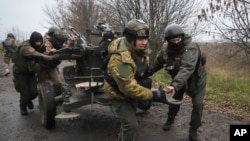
x=122 y=69
x=185 y=67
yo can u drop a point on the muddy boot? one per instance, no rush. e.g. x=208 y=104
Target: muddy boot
x=23 y=111
x=193 y=136
x=23 y=106
x=30 y=105
x=167 y=126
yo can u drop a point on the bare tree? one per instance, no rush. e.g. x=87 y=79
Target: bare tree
x=158 y=14
x=19 y=35
x=229 y=20
x=77 y=13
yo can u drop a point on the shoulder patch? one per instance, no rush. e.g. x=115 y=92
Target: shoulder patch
x=124 y=70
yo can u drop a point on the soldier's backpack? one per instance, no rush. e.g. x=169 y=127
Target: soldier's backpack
x=9 y=45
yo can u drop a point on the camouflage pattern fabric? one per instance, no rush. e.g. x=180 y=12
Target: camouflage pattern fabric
x=122 y=69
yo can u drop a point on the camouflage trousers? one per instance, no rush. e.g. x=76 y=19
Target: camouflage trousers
x=6 y=60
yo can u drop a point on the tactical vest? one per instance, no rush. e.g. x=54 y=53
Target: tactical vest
x=173 y=62
x=20 y=62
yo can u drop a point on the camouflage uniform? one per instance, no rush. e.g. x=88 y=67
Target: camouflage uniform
x=186 y=67
x=9 y=46
x=25 y=69
x=49 y=70
x=123 y=68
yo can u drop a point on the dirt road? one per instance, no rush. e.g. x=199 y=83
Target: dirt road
x=101 y=125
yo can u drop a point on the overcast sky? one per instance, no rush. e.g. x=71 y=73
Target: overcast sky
x=26 y=15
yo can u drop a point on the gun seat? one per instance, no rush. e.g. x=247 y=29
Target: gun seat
x=88 y=85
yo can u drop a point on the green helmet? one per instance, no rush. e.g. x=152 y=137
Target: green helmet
x=52 y=30
x=136 y=28
x=173 y=30
x=61 y=36
x=11 y=35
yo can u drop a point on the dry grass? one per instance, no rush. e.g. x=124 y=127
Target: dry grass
x=226 y=60
x=232 y=65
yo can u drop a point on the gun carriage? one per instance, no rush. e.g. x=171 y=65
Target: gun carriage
x=84 y=79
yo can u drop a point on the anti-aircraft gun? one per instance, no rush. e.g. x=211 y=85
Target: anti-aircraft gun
x=80 y=40
x=84 y=79
x=104 y=30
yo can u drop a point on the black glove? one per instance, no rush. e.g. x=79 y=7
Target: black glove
x=147 y=73
x=159 y=95
x=146 y=82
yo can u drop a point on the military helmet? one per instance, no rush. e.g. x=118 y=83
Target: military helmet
x=52 y=30
x=61 y=36
x=136 y=28
x=11 y=35
x=173 y=30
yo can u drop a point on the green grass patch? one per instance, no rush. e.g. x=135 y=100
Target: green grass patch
x=229 y=90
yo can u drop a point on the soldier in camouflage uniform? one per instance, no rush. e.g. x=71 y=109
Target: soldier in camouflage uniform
x=129 y=59
x=49 y=70
x=50 y=32
x=25 y=68
x=184 y=61
x=9 y=46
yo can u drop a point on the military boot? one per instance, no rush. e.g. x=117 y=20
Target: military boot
x=30 y=105
x=23 y=111
x=193 y=136
x=23 y=108
x=167 y=126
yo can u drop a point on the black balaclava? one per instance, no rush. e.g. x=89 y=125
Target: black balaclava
x=36 y=36
x=174 y=48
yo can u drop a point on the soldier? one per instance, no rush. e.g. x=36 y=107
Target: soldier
x=9 y=46
x=184 y=62
x=49 y=70
x=51 y=32
x=25 y=68
x=129 y=59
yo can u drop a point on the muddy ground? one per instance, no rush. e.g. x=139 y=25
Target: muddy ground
x=100 y=124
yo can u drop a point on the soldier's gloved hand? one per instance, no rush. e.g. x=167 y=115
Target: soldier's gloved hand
x=159 y=95
x=147 y=73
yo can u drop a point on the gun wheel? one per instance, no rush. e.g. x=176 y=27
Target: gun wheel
x=47 y=105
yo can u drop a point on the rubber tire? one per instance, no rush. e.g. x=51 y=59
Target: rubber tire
x=47 y=104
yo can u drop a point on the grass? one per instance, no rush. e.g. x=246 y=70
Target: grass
x=230 y=90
